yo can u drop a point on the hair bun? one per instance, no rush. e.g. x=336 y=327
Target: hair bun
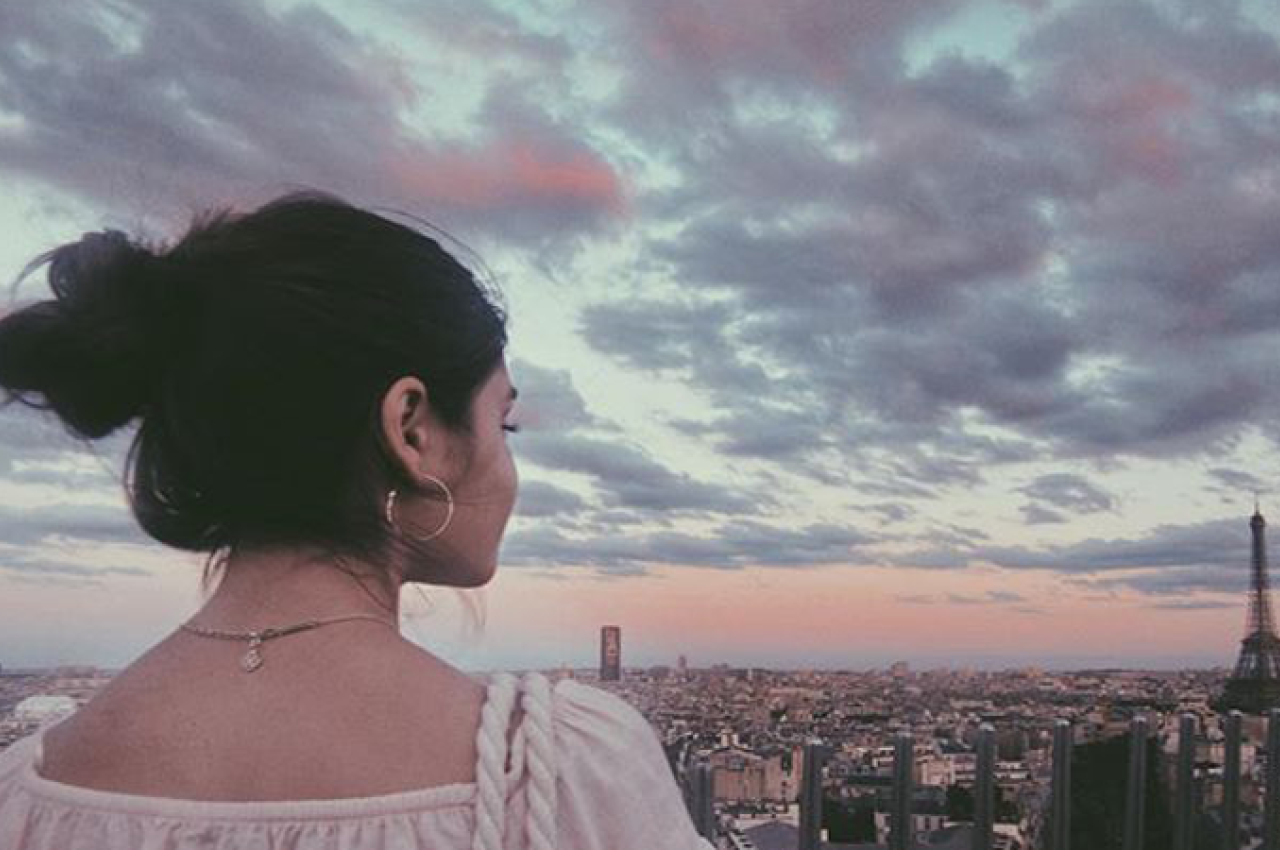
x=94 y=353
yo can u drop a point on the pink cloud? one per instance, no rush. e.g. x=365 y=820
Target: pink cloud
x=819 y=40
x=1142 y=142
x=512 y=173
x=1133 y=122
x=1152 y=98
x=1153 y=154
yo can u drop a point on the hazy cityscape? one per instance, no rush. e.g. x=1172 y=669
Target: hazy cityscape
x=752 y=723
x=953 y=757
x=809 y=759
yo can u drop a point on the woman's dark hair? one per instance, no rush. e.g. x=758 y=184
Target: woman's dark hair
x=255 y=351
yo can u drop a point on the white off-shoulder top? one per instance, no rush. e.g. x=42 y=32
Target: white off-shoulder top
x=587 y=773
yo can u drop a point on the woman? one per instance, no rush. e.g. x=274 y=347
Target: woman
x=322 y=405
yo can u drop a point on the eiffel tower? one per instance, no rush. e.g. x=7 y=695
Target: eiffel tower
x=1254 y=687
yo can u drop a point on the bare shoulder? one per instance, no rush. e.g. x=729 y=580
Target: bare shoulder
x=325 y=722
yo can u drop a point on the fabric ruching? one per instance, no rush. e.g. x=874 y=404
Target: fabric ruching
x=590 y=776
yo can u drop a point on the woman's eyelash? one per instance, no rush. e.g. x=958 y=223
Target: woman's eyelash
x=513 y=428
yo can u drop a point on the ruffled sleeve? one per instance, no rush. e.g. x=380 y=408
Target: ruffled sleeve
x=616 y=790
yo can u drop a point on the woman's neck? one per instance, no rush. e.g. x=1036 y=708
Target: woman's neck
x=283 y=586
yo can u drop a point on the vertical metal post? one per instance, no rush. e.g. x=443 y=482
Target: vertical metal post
x=691 y=790
x=708 y=801
x=984 y=798
x=704 y=800
x=1231 y=784
x=1060 y=802
x=900 y=818
x=1184 y=808
x=1135 y=790
x=1271 y=813
x=811 y=796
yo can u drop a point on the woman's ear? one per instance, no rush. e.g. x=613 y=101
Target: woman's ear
x=407 y=427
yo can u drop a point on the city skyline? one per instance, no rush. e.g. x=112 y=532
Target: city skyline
x=745 y=747
x=937 y=333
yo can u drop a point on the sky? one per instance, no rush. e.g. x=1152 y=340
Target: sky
x=846 y=331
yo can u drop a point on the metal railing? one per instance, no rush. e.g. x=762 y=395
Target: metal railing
x=1185 y=802
x=1057 y=835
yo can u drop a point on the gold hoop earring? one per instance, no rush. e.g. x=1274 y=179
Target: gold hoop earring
x=389 y=511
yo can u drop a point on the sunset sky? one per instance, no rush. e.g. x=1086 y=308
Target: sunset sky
x=846 y=331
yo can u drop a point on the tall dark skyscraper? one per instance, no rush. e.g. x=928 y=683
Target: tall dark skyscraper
x=1255 y=685
x=610 y=653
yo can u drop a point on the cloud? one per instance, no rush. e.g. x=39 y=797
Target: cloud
x=1194 y=605
x=229 y=100
x=538 y=499
x=891 y=512
x=1211 y=546
x=874 y=255
x=548 y=400
x=52 y=559
x=1168 y=561
x=990 y=597
x=634 y=507
x=559 y=434
x=68 y=469
x=1065 y=492
x=59 y=486
x=35 y=524
x=1034 y=514
x=36 y=568
x=728 y=545
x=627 y=476
x=1236 y=482
x=1069 y=491
x=932 y=558
x=685 y=61
x=1177 y=582
x=903 y=275
x=1073 y=250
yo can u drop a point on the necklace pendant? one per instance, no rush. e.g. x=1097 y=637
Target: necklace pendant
x=252 y=659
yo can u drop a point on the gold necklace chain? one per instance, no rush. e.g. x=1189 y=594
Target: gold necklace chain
x=252 y=659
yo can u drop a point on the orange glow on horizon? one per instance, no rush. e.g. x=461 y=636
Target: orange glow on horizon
x=854 y=611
